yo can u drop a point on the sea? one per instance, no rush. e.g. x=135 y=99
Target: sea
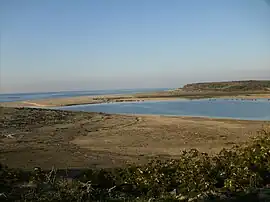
x=47 y=95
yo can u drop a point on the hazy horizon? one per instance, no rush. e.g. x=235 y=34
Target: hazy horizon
x=119 y=89
x=65 y=45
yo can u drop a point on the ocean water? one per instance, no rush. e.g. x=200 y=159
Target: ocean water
x=216 y=108
x=63 y=94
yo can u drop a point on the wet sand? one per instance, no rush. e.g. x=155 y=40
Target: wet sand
x=37 y=137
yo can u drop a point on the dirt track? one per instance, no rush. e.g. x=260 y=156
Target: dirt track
x=46 y=138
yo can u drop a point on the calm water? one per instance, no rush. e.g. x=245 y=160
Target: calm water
x=36 y=96
x=219 y=108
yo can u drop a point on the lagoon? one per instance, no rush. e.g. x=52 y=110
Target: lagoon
x=258 y=109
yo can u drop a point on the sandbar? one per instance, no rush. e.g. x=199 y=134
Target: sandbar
x=139 y=97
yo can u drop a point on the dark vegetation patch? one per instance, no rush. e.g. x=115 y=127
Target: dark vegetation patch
x=15 y=118
x=251 y=85
x=239 y=174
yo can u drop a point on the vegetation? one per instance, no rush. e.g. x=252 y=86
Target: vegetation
x=251 y=85
x=239 y=174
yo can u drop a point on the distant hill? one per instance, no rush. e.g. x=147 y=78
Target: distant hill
x=251 y=85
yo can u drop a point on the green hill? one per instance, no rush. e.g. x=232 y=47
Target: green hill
x=251 y=85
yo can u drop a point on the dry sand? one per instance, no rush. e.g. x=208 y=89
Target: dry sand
x=56 y=102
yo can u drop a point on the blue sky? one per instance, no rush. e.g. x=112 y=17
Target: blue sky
x=54 y=45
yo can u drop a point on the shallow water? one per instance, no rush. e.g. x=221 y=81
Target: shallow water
x=64 y=94
x=216 y=108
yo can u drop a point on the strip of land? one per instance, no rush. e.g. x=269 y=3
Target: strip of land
x=140 y=97
x=253 y=89
x=37 y=137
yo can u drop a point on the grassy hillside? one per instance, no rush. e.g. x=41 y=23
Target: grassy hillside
x=252 y=85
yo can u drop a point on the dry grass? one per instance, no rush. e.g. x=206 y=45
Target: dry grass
x=76 y=139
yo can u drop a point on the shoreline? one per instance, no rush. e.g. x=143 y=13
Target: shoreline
x=193 y=117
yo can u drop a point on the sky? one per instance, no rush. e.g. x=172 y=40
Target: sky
x=55 y=45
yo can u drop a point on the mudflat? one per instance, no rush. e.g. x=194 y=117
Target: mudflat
x=37 y=137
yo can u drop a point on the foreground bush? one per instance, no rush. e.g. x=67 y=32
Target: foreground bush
x=239 y=174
